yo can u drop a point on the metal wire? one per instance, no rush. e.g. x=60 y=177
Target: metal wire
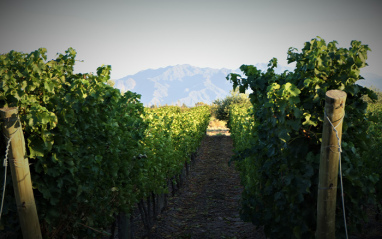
x=5 y=164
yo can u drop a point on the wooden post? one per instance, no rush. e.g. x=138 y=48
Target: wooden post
x=329 y=159
x=125 y=226
x=22 y=183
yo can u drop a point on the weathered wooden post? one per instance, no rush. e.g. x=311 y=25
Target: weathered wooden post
x=22 y=183
x=125 y=226
x=329 y=159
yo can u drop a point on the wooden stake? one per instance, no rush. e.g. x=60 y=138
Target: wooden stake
x=329 y=159
x=21 y=177
x=125 y=226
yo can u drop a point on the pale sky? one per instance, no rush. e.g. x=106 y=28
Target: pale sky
x=134 y=35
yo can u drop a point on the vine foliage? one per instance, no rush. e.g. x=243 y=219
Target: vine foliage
x=85 y=142
x=279 y=167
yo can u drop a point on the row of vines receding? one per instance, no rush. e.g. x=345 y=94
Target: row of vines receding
x=94 y=152
x=278 y=139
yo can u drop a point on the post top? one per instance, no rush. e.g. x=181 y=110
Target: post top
x=8 y=112
x=336 y=94
x=8 y=108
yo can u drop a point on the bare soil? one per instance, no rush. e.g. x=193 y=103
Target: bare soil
x=208 y=203
x=207 y=206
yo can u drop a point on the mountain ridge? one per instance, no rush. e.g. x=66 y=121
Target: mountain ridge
x=187 y=84
x=182 y=84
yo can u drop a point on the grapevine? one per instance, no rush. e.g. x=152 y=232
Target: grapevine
x=83 y=141
x=279 y=163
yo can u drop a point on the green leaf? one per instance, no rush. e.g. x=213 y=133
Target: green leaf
x=49 y=86
x=308 y=121
x=294 y=124
x=36 y=146
x=292 y=89
x=283 y=135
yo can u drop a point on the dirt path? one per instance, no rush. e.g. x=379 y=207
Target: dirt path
x=207 y=205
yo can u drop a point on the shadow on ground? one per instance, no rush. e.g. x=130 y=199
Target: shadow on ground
x=207 y=206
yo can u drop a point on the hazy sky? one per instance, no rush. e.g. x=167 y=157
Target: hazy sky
x=134 y=35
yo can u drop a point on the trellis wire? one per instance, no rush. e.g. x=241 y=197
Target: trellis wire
x=5 y=164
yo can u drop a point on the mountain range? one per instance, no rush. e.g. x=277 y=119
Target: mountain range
x=186 y=84
x=180 y=84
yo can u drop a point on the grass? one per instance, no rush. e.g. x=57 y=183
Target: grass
x=217 y=127
x=216 y=124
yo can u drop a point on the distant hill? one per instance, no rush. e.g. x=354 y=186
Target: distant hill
x=186 y=84
x=180 y=84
